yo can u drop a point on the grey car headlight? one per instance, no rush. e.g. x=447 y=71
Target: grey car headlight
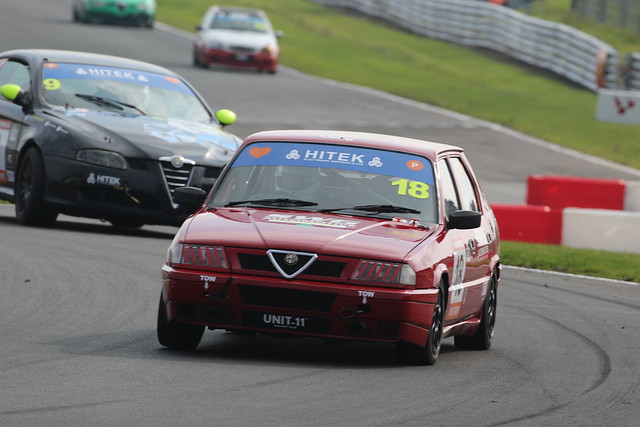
x=104 y=158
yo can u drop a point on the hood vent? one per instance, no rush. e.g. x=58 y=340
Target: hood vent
x=290 y=263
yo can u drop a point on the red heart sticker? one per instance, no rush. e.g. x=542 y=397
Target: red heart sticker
x=259 y=151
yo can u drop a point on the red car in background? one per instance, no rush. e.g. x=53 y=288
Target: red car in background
x=238 y=37
x=340 y=236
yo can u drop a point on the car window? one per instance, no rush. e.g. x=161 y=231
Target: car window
x=333 y=177
x=13 y=72
x=134 y=92
x=466 y=190
x=448 y=189
x=240 y=20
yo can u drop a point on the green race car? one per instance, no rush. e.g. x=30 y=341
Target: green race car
x=137 y=12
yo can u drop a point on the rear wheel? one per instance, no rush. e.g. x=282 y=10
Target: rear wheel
x=481 y=340
x=175 y=335
x=29 y=197
x=412 y=354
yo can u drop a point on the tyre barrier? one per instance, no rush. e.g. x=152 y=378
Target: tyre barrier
x=575 y=192
x=575 y=212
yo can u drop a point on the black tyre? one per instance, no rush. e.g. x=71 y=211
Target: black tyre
x=30 y=191
x=176 y=335
x=481 y=340
x=412 y=354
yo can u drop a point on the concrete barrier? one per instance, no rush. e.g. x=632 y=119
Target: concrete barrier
x=608 y=230
x=632 y=196
x=576 y=192
x=528 y=223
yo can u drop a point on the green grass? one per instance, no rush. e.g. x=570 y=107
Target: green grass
x=325 y=43
x=613 y=265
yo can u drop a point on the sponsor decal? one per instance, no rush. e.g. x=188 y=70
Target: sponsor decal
x=64 y=71
x=112 y=181
x=457 y=289
x=310 y=221
x=56 y=127
x=407 y=167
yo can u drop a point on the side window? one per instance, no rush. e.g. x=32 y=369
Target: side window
x=15 y=73
x=448 y=190
x=466 y=190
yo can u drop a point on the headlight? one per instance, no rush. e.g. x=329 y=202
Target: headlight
x=268 y=50
x=103 y=158
x=384 y=273
x=197 y=256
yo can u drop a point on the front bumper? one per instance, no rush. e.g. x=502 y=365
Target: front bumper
x=141 y=193
x=259 y=61
x=298 y=307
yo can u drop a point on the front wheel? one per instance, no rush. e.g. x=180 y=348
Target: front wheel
x=481 y=340
x=412 y=354
x=176 y=335
x=30 y=192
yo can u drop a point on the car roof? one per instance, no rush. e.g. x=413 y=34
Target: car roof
x=362 y=139
x=238 y=9
x=54 y=55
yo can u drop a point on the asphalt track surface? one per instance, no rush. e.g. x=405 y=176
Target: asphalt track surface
x=78 y=301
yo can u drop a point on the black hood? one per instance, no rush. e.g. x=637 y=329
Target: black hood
x=155 y=137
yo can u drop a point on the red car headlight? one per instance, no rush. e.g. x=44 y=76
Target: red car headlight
x=197 y=256
x=384 y=273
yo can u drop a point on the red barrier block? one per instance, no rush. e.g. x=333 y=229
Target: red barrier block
x=575 y=192
x=528 y=223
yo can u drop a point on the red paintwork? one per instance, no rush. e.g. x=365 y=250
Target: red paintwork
x=260 y=61
x=390 y=313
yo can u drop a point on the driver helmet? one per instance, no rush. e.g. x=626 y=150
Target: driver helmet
x=297 y=181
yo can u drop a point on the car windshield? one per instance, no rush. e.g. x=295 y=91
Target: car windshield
x=240 y=21
x=121 y=90
x=330 y=178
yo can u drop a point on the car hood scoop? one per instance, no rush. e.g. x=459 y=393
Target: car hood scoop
x=305 y=234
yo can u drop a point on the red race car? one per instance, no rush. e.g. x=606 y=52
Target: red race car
x=237 y=37
x=340 y=236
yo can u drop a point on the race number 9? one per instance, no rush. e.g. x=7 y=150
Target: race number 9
x=417 y=189
x=51 y=84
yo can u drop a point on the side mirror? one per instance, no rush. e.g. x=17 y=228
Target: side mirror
x=279 y=34
x=465 y=220
x=189 y=197
x=16 y=94
x=225 y=117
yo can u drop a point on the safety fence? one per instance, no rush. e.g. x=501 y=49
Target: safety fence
x=618 y=13
x=564 y=50
x=631 y=72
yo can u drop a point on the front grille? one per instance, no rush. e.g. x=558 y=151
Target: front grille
x=318 y=268
x=175 y=177
x=241 y=49
x=286 y=298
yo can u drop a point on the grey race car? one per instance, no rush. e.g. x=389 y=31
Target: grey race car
x=103 y=137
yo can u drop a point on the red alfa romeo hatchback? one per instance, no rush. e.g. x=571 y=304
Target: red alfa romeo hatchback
x=340 y=236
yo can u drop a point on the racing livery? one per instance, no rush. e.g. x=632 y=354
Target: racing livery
x=103 y=137
x=341 y=236
x=237 y=37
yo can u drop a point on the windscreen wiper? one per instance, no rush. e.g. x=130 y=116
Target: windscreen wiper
x=375 y=208
x=108 y=102
x=276 y=202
